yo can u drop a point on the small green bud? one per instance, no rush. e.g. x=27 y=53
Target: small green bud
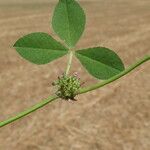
x=67 y=86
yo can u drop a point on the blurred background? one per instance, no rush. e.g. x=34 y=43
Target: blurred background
x=115 y=117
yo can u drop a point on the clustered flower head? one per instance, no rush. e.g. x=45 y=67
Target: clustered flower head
x=67 y=86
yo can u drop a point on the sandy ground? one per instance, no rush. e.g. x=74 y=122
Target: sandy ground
x=115 y=117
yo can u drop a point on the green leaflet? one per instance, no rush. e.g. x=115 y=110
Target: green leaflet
x=69 y=21
x=39 y=48
x=100 y=62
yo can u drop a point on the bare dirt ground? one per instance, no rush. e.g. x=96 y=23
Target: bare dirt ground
x=115 y=117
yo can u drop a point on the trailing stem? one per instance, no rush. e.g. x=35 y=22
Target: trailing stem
x=28 y=111
x=81 y=91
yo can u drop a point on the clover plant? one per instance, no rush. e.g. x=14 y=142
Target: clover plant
x=40 y=48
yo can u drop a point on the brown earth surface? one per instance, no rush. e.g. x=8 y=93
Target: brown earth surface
x=115 y=117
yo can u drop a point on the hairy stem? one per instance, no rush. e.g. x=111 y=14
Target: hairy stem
x=81 y=91
x=98 y=85
x=69 y=62
x=28 y=111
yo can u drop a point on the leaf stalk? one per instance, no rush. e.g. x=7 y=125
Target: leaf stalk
x=71 y=53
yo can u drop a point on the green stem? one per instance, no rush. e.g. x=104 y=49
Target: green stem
x=98 y=85
x=81 y=91
x=69 y=62
x=28 y=111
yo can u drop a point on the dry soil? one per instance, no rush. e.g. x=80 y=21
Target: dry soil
x=115 y=117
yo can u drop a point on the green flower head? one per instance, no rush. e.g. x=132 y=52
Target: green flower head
x=67 y=86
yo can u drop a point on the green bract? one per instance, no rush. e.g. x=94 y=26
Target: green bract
x=39 y=48
x=69 y=21
x=100 y=62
